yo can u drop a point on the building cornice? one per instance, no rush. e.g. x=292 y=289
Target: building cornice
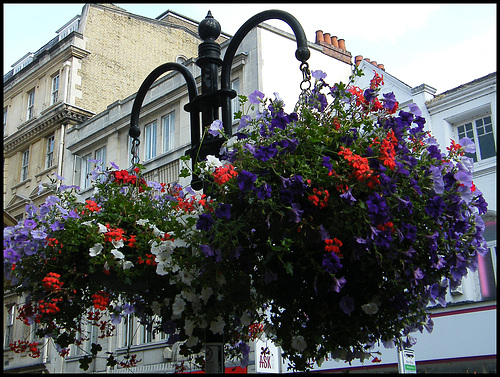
x=37 y=127
x=476 y=88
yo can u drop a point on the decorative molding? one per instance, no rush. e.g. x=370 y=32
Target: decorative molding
x=29 y=131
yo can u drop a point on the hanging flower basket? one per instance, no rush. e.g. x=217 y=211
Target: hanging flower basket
x=331 y=229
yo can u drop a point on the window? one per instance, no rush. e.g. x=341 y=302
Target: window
x=150 y=141
x=70 y=27
x=4 y=121
x=146 y=334
x=235 y=102
x=83 y=167
x=168 y=122
x=128 y=331
x=487 y=273
x=9 y=325
x=31 y=105
x=49 y=155
x=24 y=165
x=481 y=132
x=100 y=157
x=54 y=95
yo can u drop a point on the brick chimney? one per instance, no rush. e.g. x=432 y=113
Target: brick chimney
x=332 y=46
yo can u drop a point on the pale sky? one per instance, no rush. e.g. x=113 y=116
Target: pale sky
x=441 y=45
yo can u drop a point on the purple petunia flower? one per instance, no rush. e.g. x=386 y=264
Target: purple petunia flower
x=264 y=191
x=437 y=179
x=56 y=226
x=256 y=97
x=415 y=109
x=346 y=304
x=244 y=121
x=296 y=213
x=468 y=145
x=263 y=153
x=389 y=101
x=246 y=180
x=116 y=318
x=326 y=163
x=339 y=284
x=30 y=248
x=38 y=234
x=435 y=206
x=417 y=275
x=204 y=222
x=223 y=210
x=207 y=250
x=318 y=75
x=331 y=263
x=11 y=255
x=348 y=196
x=369 y=95
x=215 y=128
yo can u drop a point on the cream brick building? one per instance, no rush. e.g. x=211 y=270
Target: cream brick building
x=95 y=59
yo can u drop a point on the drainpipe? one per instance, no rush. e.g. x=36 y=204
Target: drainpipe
x=61 y=152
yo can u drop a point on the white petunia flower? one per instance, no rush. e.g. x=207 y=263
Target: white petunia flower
x=370 y=308
x=192 y=341
x=142 y=222
x=178 y=307
x=127 y=265
x=161 y=269
x=217 y=326
x=156 y=308
x=95 y=250
x=188 y=327
x=206 y=292
x=186 y=277
x=299 y=343
x=117 y=254
x=245 y=319
x=157 y=232
x=88 y=223
x=102 y=228
x=118 y=243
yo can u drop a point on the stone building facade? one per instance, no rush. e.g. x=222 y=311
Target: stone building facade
x=95 y=59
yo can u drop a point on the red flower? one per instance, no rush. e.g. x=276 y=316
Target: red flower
x=224 y=173
x=333 y=246
x=92 y=206
x=51 y=282
x=101 y=300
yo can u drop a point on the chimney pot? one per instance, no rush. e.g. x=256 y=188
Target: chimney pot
x=342 y=44
x=334 y=41
x=327 y=38
x=358 y=59
x=374 y=62
x=319 y=36
x=368 y=60
x=381 y=66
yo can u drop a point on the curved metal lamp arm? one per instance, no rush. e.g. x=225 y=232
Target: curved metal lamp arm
x=302 y=53
x=135 y=131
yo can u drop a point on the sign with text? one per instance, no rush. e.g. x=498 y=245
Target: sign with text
x=267 y=357
x=406 y=361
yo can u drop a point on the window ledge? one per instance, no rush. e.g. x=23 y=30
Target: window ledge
x=46 y=171
x=25 y=182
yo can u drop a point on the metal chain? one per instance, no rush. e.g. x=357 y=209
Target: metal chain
x=305 y=85
x=135 y=151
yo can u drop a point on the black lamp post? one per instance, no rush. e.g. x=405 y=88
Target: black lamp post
x=208 y=104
